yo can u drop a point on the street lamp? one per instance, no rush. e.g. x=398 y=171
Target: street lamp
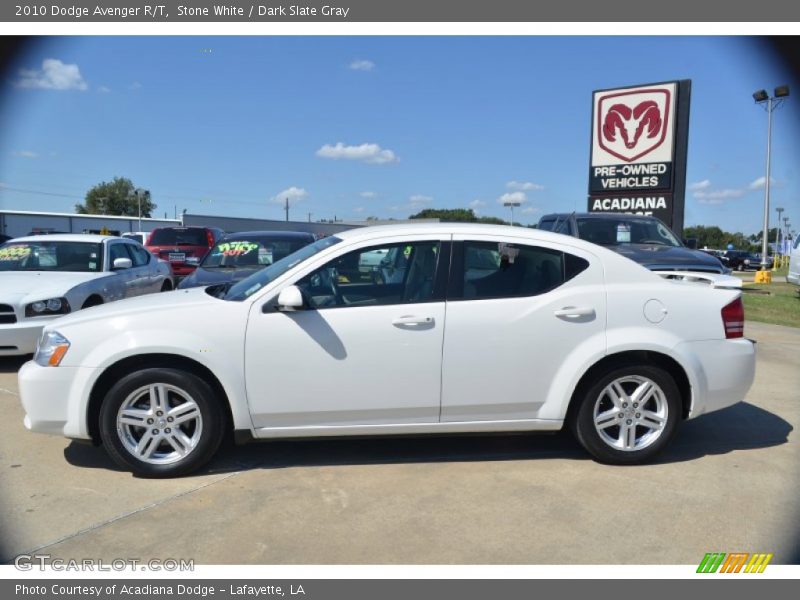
x=778 y=210
x=770 y=103
x=511 y=205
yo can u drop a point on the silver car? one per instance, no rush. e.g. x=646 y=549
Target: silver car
x=46 y=276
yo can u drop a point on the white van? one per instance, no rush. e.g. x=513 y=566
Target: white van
x=794 y=264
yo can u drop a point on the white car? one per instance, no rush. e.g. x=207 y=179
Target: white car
x=43 y=277
x=491 y=329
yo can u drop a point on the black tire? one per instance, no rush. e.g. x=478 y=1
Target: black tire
x=205 y=431
x=665 y=403
x=166 y=286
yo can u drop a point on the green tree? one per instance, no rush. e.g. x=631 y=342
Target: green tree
x=116 y=197
x=447 y=215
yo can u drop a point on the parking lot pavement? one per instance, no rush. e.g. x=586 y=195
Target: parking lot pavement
x=728 y=483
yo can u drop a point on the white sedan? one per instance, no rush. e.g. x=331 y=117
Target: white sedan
x=490 y=328
x=46 y=276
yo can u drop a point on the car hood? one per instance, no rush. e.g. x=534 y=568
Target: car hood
x=178 y=300
x=206 y=277
x=15 y=285
x=655 y=256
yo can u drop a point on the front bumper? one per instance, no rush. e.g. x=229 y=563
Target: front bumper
x=724 y=370
x=55 y=399
x=21 y=337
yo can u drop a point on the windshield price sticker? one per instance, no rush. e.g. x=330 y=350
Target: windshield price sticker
x=623 y=234
x=14 y=252
x=237 y=248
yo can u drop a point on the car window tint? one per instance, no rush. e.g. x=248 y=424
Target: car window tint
x=379 y=275
x=500 y=270
x=118 y=251
x=139 y=255
x=175 y=236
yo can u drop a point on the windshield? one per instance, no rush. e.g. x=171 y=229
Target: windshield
x=251 y=252
x=51 y=256
x=249 y=286
x=619 y=230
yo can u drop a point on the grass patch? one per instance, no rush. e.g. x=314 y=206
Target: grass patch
x=780 y=307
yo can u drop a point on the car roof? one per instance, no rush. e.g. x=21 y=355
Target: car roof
x=269 y=234
x=66 y=237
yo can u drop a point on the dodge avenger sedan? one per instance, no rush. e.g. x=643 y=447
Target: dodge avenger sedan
x=45 y=277
x=485 y=329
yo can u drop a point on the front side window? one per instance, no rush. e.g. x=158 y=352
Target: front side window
x=140 y=256
x=51 y=256
x=500 y=270
x=392 y=274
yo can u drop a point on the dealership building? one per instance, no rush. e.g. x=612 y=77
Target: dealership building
x=16 y=223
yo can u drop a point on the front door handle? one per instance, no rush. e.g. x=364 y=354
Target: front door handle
x=575 y=312
x=412 y=320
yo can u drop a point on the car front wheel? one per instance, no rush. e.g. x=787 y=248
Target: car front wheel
x=628 y=415
x=161 y=422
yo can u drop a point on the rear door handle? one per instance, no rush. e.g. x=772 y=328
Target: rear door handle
x=575 y=312
x=412 y=320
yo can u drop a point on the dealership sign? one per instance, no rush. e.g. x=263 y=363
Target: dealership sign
x=638 y=155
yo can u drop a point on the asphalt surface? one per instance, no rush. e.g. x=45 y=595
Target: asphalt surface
x=728 y=483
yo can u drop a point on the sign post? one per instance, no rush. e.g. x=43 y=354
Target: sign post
x=638 y=153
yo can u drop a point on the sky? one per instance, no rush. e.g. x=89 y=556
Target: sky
x=351 y=127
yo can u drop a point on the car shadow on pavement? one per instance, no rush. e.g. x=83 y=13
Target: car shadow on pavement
x=12 y=364
x=741 y=427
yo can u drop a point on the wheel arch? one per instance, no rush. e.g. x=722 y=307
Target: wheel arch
x=127 y=365
x=633 y=357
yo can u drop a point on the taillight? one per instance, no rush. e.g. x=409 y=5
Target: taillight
x=210 y=238
x=733 y=319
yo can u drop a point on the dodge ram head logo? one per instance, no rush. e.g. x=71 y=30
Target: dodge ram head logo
x=633 y=124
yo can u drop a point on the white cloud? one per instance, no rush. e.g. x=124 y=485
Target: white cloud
x=718 y=196
x=758 y=184
x=103 y=89
x=477 y=204
x=368 y=153
x=513 y=197
x=54 y=75
x=135 y=86
x=700 y=185
x=530 y=210
x=26 y=154
x=524 y=186
x=418 y=200
x=294 y=194
x=359 y=209
x=362 y=65
x=368 y=195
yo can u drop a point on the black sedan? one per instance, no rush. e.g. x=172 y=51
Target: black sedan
x=239 y=255
x=741 y=260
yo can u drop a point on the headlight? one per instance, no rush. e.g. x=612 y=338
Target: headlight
x=47 y=308
x=51 y=349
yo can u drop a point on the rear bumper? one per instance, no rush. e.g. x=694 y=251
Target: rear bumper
x=724 y=371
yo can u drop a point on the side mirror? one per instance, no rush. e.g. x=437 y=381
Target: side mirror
x=691 y=243
x=290 y=299
x=122 y=263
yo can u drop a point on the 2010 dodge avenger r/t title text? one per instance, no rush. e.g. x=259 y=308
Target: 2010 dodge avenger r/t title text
x=403 y=329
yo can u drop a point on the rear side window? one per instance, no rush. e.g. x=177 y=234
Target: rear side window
x=176 y=236
x=500 y=270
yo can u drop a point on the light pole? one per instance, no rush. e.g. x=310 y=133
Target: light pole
x=511 y=205
x=770 y=103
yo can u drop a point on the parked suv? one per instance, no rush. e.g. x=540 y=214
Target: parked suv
x=183 y=247
x=644 y=239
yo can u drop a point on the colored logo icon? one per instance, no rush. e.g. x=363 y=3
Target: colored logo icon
x=737 y=562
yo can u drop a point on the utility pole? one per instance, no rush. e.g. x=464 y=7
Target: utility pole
x=778 y=210
x=286 y=208
x=309 y=217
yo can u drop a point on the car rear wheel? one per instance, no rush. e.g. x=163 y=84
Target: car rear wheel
x=161 y=422
x=166 y=286
x=628 y=415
